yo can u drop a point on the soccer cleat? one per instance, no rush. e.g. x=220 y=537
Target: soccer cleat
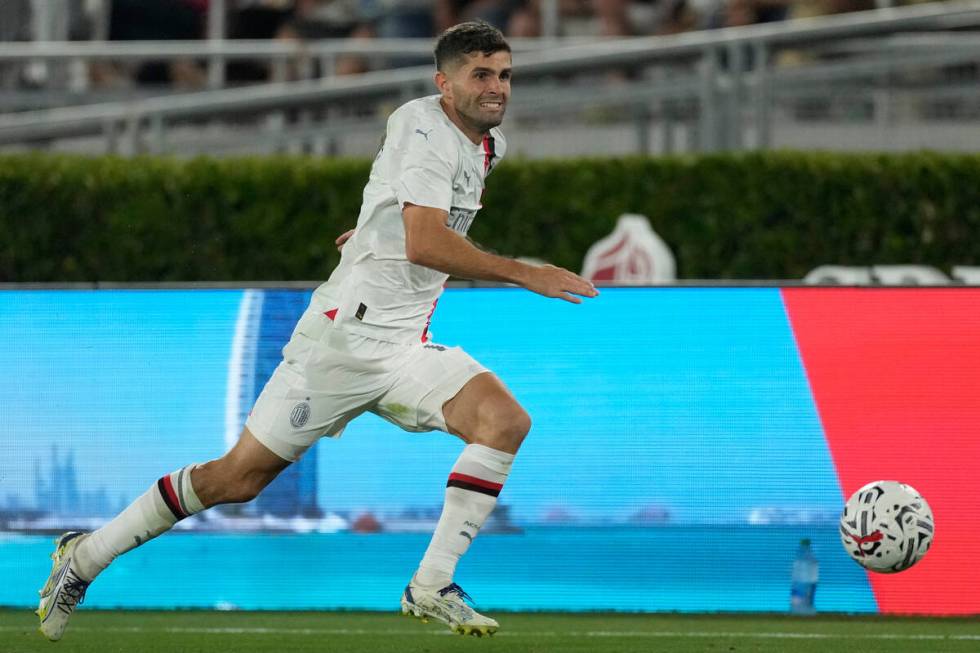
x=447 y=605
x=64 y=590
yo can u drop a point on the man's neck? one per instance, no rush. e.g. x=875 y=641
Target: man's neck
x=474 y=136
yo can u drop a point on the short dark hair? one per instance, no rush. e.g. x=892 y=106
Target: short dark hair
x=467 y=38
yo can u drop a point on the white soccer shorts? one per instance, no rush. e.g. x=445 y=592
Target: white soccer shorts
x=328 y=377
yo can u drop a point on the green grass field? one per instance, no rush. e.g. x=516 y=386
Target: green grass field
x=214 y=632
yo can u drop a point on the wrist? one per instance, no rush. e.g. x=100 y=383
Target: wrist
x=518 y=272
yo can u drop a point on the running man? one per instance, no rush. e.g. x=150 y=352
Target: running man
x=363 y=345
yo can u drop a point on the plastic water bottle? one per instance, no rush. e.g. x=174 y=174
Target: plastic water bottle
x=806 y=573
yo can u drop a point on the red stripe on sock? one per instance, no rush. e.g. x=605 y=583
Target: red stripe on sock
x=473 y=480
x=174 y=503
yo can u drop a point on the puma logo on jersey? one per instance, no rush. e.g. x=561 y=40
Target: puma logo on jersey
x=426 y=134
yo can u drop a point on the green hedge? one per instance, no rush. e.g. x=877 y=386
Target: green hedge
x=741 y=216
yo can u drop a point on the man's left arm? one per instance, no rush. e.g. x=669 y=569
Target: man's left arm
x=431 y=243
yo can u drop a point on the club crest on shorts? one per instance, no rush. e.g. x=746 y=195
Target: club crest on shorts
x=300 y=415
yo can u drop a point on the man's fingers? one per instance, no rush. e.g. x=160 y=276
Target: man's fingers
x=583 y=288
x=343 y=238
x=588 y=291
x=560 y=283
x=580 y=285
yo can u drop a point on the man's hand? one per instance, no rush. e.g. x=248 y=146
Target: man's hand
x=552 y=281
x=343 y=238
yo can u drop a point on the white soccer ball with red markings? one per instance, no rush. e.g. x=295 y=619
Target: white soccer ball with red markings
x=886 y=527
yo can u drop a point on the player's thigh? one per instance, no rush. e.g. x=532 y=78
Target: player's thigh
x=314 y=392
x=485 y=412
x=428 y=377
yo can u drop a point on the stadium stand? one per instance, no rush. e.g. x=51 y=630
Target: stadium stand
x=320 y=77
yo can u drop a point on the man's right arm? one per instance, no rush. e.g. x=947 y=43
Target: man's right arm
x=431 y=243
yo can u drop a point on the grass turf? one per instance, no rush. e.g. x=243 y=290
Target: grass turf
x=94 y=631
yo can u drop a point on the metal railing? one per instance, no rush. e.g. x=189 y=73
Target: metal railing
x=730 y=77
x=304 y=59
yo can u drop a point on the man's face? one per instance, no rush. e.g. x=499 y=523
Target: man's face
x=478 y=89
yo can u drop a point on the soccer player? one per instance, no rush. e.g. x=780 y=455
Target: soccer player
x=363 y=345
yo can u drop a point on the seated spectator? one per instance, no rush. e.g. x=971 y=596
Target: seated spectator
x=329 y=19
x=255 y=19
x=622 y=18
x=161 y=20
x=15 y=25
x=400 y=19
x=737 y=13
x=524 y=22
x=678 y=16
x=811 y=8
x=495 y=12
x=325 y=19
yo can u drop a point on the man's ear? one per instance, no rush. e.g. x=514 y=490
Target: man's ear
x=442 y=82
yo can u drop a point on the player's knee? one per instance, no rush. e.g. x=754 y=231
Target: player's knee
x=219 y=482
x=520 y=424
x=243 y=491
x=246 y=487
x=505 y=427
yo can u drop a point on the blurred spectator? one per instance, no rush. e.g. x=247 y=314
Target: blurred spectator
x=524 y=22
x=161 y=20
x=496 y=12
x=255 y=19
x=30 y=20
x=400 y=19
x=258 y=19
x=737 y=13
x=15 y=25
x=329 y=19
x=297 y=20
x=623 y=18
x=325 y=19
x=811 y=8
x=613 y=18
x=15 y=20
x=678 y=16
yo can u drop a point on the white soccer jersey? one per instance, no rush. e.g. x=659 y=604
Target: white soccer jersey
x=424 y=160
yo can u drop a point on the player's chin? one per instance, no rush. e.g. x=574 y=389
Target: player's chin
x=492 y=117
x=490 y=124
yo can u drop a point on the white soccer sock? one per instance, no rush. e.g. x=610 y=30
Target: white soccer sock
x=471 y=494
x=169 y=500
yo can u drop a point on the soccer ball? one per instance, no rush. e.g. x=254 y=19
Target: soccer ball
x=886 y=527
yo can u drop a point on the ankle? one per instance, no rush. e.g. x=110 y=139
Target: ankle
x=82 y=561
x=431 y=578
